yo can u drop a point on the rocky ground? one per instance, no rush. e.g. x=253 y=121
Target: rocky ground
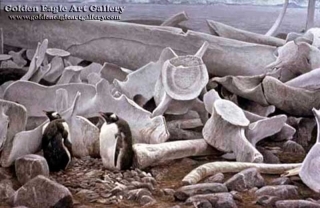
x=93 y=186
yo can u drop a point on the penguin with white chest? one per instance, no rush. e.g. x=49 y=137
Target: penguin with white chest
x=56 y=143
x=115 y=142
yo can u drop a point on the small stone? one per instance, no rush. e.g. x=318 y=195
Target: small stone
x=281 y=191
x=221 y=200
x=145 y=199
x=5 y=173
x=245 y=179
x=30 y=166
x=137 y=185
x=41 y=192
x=88 y=194
x=236 y=196
x=6 y=189
x=149 y=179
x=136 y=194
x=253 y=190
x=296 y=204
x=217 y=178
x=185 y=192
x=293 y=147
x=168 y=192
x=267 y=201
x=281 y=181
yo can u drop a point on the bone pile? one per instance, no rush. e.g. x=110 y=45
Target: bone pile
x=245 y=98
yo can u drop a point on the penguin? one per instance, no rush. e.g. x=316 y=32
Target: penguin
x=115 y=142
x=56 y=143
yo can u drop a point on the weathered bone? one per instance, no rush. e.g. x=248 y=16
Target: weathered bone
x=112 y=72
x=310 y=15
x=25 y=142
x=36 y=77
x=147 y=130
x=208 y=169
x=286 y=133
x=84 y=135
x=175 y=19
x=184 y=123
x=144 y=44
x=181 y=134
x=62 y=100
x=264 y=128
x=92 y=100
x=181 y=81
x=4 y=121
x=92 y=68
x=295 y=59
x=225 y=131
x=149 y=154
x=17 y=57
x=94 y=78
x=248 y=87
x=309 y=81
x=5 y=57
x=149 y=73
x=36 y=60
x=57 y=67
x=278 y=21
x=56 y=52
x=71 y=74
x=289 y=98
x=220 y=29
x=309 y=172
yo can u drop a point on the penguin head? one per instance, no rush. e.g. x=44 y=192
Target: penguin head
x=52 y=115
x=109 y=117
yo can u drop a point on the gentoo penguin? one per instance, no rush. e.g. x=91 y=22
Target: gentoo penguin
x=115 y=142
x=56 y=143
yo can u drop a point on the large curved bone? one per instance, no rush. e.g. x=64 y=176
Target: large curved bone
x=57 y=67
x=225 y=131
x=111 y=43
x=208 y=169
x=147 y=130
x=248 y=87
x=295 y=59
x=289 y=98
x=149 y=73
x=36 y=97
x=92 y=100
x=26 y=142
x=71 y=74
x=175 y=19
x=310 y=15
x=278 y=21
x=220 y=29
x=176 y=91
x=309 y=172
x=92 y=68
x=149 y=154
x=110 y=72
x=309 y=81
x=37 y=60
x=84 y=135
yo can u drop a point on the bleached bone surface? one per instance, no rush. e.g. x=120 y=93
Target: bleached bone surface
x=225 y=131
x=92 y=68
x=309 y=81
x=71 y=74
x=4 y=121
x=133 y=85
x=175 y=19
x=110 y=42
x=57 y=67
x=84 y=135
x=309 y=172
x=289 y=98
x=26 y=142
x=149 y=154
x=208 y=169
x=144 y=129
x=263 y=128
x=181 y=81
x=110 y=72
x=220 y=29
x=37 y=60
x=248 y=87
x=295 y=59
